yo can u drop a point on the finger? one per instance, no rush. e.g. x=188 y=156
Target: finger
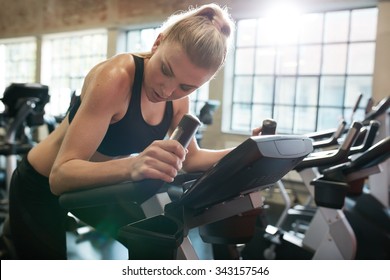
x=158 y=170
x=256 y=131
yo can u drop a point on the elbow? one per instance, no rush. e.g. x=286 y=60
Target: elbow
x=54 y=182
x=190 y=167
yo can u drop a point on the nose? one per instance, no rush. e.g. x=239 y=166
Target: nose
x=168 y=89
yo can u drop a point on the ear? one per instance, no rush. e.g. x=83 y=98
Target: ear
x=157 y=42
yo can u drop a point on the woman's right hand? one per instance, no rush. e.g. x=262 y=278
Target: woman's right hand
x=160 y=160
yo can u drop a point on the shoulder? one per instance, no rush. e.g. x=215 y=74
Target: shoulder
x=118 y=67
x=114 y=75
x=107 y=86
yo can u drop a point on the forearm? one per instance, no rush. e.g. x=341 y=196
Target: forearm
x=203 y=159
x=80 y=174
x=161 y=160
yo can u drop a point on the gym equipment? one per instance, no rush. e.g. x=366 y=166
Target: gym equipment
x=331 y=233
x=318 y=230
x=24 y=108
x=300 y=215
x=206 y=116
x=185 y=130
x=231 y=187
x=369 y=219
x=226 y=235
x=375 y=113
x=366 y=138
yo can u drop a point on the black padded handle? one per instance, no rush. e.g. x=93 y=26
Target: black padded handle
x=373 y=156
x=333 y=157
x=378 y=110
x=186 y=130
x=356 y=106
x=268 y=127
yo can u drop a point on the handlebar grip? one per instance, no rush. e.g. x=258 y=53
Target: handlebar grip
x=356 y=106
x=268 y=127
x=186 y=130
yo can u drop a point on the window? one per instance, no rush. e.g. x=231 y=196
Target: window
x=66 y=61
x=306 y=72
x=17 y=62
x=141 y=40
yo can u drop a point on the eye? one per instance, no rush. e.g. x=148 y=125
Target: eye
x=165 y=70
x=186 y=88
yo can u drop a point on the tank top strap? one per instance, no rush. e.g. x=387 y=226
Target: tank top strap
x=139 y=74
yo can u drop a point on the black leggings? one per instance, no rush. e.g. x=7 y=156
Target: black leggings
x=37 y=222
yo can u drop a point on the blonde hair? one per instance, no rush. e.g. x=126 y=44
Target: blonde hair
x=203 y=32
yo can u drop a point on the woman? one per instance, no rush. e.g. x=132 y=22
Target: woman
x=127 y=106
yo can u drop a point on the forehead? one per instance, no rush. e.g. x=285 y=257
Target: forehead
x=183 y=68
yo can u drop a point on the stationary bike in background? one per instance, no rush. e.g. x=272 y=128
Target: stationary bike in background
x=24 y=111
x=371 y=208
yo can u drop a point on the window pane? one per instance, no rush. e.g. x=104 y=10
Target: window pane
x=141 y=40
x=325 y=69
x=285 y=91
x=284 y=115
x=202 y=93
x=356 y=86
x=244 y=61
x=66 y=62
x=332 y=91
x=304 y=120
x=265 y=36
x=311 y=28
x=334 y=59
x=134 y=41
x=17 y=62
x=354 y=116
x=259 y=113
x=336 y=26
x=363 y=24
x=361 y=58
x=265 y=60
x=245 y=33
x=307 y=91
x=148 y=37
x=198 y=98
x=309 y=59
x=263 y=89
x=59 y=102
x=241 y=117
x=243 y=89
x=287 y=60
x=329 y=117
x=287 y=31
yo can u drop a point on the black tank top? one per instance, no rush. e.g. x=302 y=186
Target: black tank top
x=131 y=134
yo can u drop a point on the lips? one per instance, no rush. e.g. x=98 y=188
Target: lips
x=158 y=96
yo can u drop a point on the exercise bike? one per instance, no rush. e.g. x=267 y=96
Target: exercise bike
x=167 y=212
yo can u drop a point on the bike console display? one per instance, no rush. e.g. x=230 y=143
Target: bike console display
x=260 y=161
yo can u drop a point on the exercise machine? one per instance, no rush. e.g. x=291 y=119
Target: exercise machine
x=24 y=109
x=167 y=212
x=206 y=117
x=331 y=232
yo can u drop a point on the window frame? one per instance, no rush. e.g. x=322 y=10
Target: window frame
x=231 y=99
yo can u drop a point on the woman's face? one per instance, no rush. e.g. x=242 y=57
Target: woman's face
x=170 y=75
